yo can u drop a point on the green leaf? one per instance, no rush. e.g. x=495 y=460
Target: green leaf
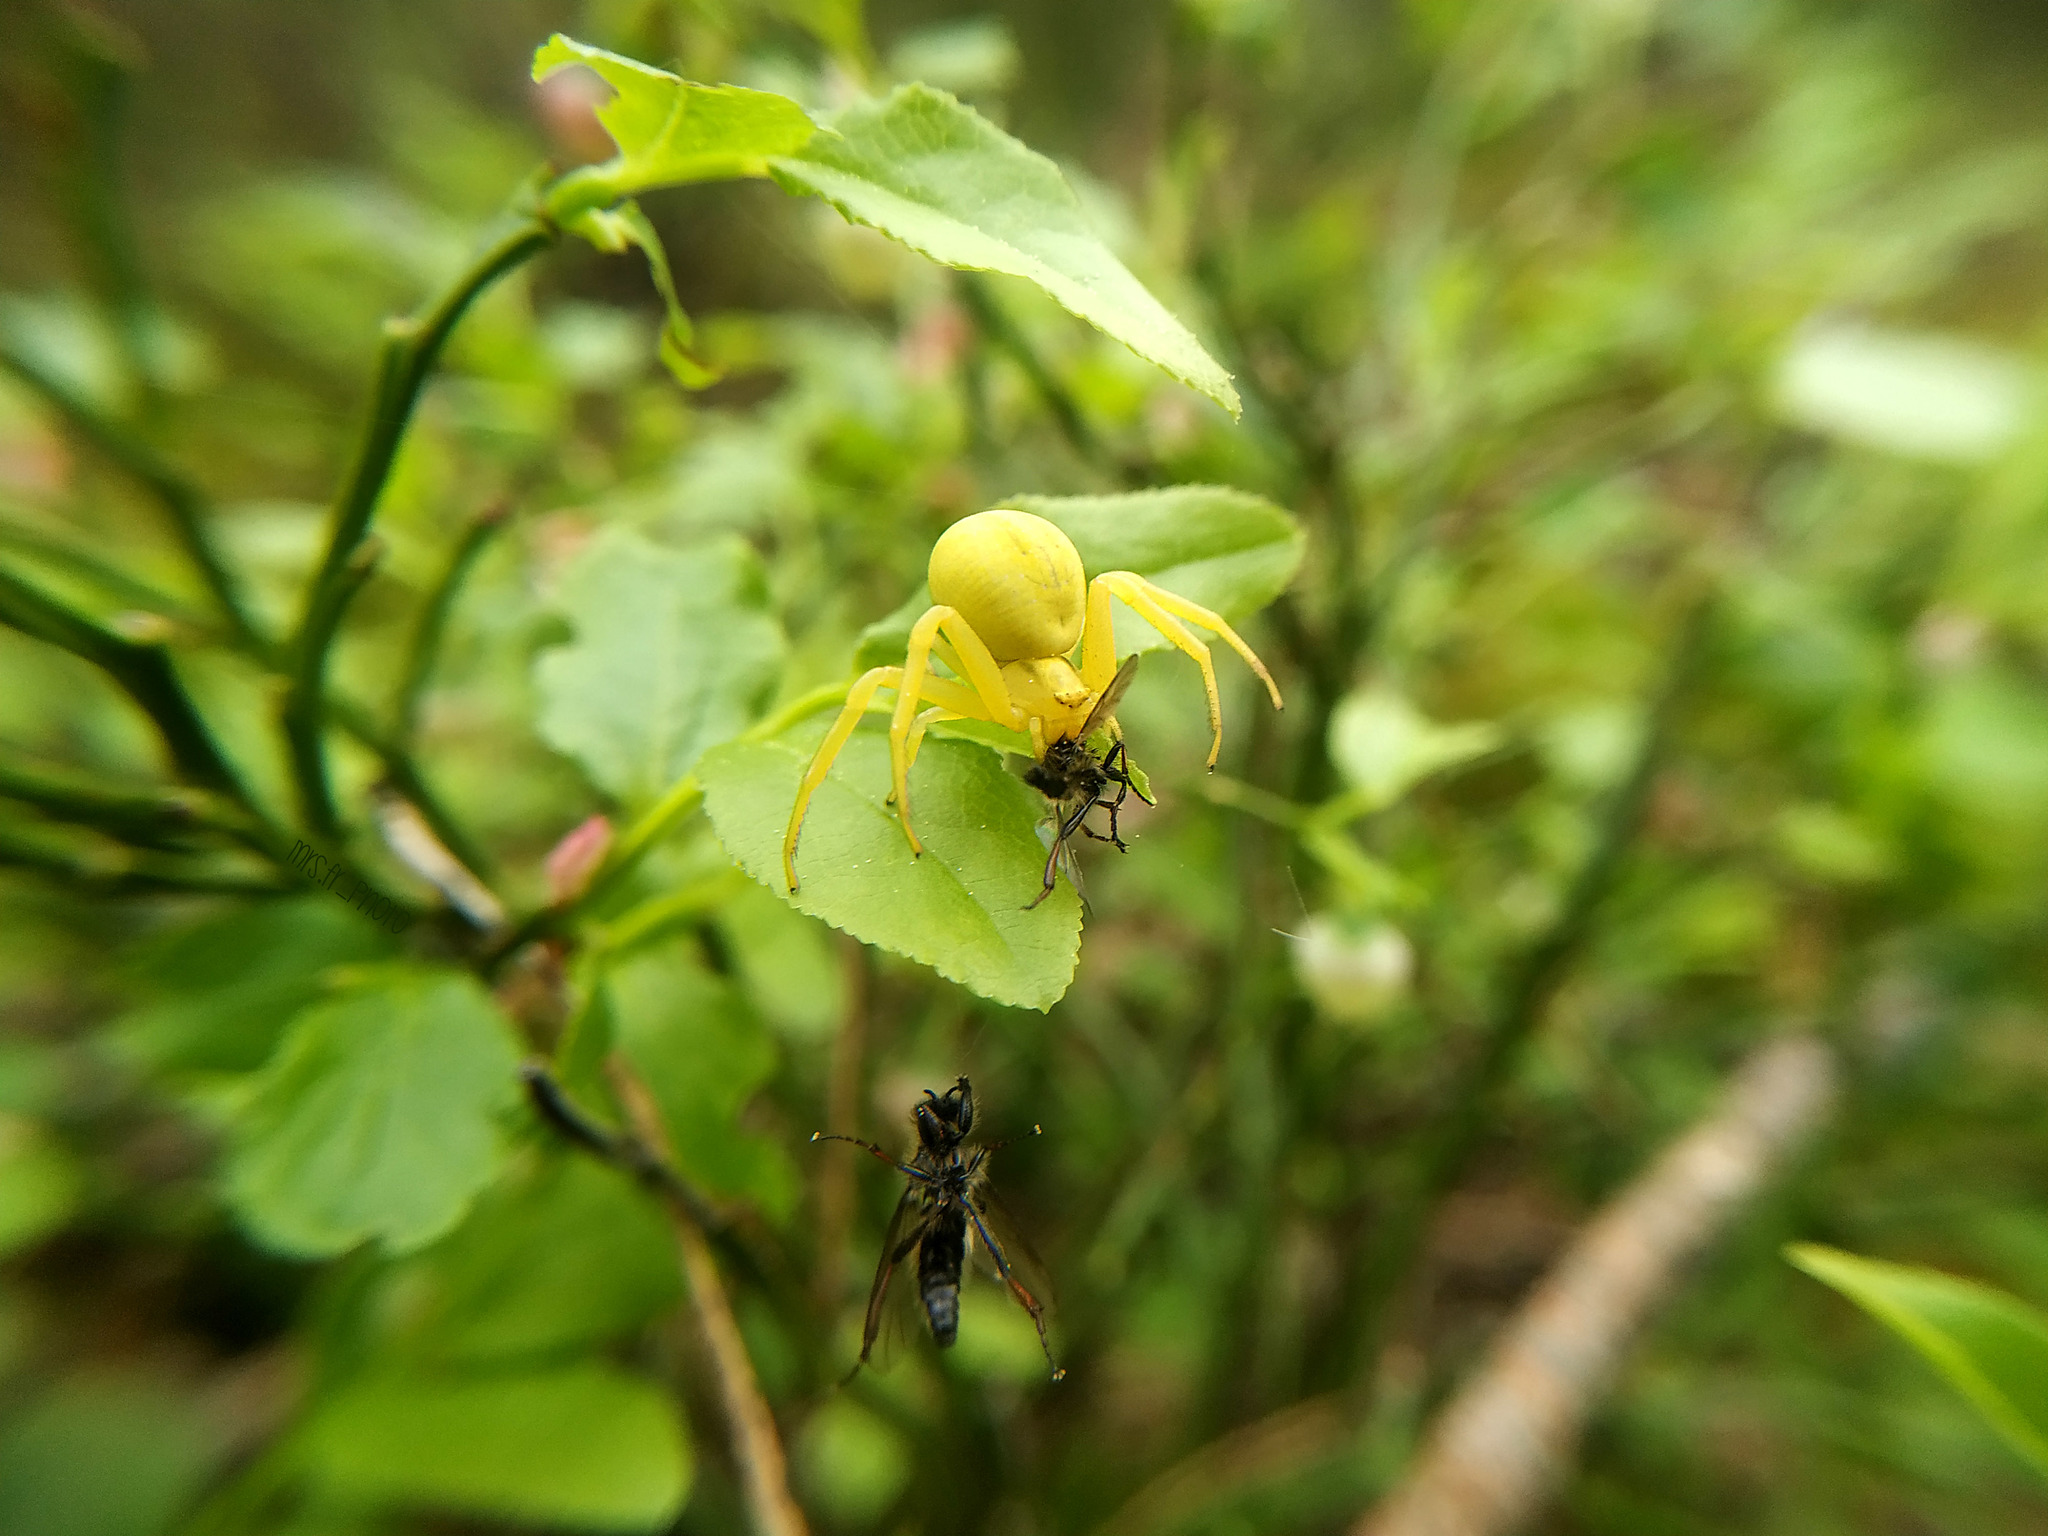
x=960 y=909
x=220 y=992
x=1226 y=549
x=1990 y=1347
x=1384 y=745
x=614 y=230
x=105 y=1453
x=588 y=1447
x=668 y=130
x=564 y=1255
x=376 y=1118
x=675 y=651
x=704 y=1053
x=945 y=181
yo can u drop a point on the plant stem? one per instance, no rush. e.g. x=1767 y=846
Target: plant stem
x=112 y=870
x=995 y=323
x=65 y=795
x=142 y=670
x=141 y=463
x=643 y=1152
x=411 y=347
x=433 y=624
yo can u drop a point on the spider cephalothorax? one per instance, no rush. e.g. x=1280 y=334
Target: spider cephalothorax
x=1010 y=604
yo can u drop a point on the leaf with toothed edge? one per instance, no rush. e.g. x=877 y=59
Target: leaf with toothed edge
x=961 y=908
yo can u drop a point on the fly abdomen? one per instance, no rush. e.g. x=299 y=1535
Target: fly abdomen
x=939 y=1258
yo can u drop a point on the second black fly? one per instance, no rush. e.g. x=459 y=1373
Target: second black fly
x=946 y=1208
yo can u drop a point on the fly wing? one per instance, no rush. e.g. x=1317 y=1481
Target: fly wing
x=1105 y=705
x=906 y=1225
x=1024 y=1264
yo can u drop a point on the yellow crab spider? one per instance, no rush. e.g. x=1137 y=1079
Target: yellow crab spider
x=1010 y=601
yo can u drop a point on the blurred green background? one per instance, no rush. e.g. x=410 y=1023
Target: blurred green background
x=1610 y=353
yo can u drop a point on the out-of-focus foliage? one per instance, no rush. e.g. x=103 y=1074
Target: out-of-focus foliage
x=1641 y=495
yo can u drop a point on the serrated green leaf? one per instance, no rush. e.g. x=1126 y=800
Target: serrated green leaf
x=703 y=1053
x=376 y=1117
x=1991 y=1347
x=668 y=130
x=675 y=651
x=936 y=175
x=1226 y=549
x=1384 y=745
x=588 y=1447
x=960 y=909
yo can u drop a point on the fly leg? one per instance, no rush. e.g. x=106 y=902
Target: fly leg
x=1066 y=830
x=1025 y=1299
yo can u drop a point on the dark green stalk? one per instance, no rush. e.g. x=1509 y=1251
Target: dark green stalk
x=143 y=464
x=108 y=869
x=143 y=671
x=109 y=578
x=64 y=794
x=433 y=624
x=1525 y=995
x=995 y=323
x=411 y=347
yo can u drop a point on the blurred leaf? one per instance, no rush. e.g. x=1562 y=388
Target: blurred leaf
x=587 y=1448
x=101 y=1456
x=950 y=184
x=786 y=962
x=1985 y=740
x=375 y=1119
x=568 y=1254
x=704 y=1054
x=669 y=130
x=1384 y=745
x=960 y=909
x=1920 y=395
x=674 y=652
x=973 y=56
x=225 y=988
x=851 y=1462
x=39 y=1184
x=1991 y=1347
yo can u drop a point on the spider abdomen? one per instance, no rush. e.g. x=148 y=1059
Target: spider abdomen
x=1016 y=579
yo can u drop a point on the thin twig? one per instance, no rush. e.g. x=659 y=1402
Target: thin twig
x=995 y=323
x=756 y=1444
x=1509 y=1437
x=131 y=811
x=107 y=869
x=411 y=347
x=433 y=622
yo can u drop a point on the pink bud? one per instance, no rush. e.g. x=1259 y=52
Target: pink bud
x=575 y=858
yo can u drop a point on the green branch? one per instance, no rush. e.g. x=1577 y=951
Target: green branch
x=411 y=347
x=64 y=794
x=143 y=671
x=143 y=464
x=108 y=869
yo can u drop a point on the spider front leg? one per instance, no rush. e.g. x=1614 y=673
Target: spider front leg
x=1159 y=608
x=947 y=694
